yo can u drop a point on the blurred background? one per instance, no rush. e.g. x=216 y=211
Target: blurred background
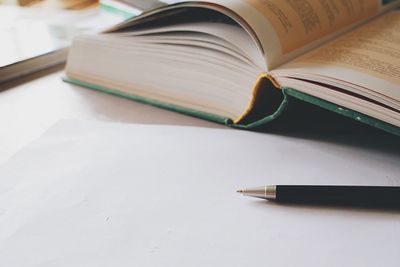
x=35 y=34
x=82 y=4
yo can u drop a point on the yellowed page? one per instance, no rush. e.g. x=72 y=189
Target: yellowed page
x=289 y=28
x=286 y=29
x=373 y=49
x=299 y=22
x=368 y=56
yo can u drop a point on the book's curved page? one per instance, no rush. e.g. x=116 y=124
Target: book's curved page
x=203 y=61
x=288 y=29
x=283 y=29
x=359 y=71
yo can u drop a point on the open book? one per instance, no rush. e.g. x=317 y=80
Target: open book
x=221 y=60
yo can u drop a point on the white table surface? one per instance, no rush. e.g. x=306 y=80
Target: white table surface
x=27 y=110
x=111 y=194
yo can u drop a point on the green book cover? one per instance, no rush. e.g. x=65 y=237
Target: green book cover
x=288 y=95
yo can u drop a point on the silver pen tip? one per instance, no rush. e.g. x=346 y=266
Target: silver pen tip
x=264 y=192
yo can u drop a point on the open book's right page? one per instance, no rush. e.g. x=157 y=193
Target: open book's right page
x=286 y=29
x=362 y=67
x=299 y=26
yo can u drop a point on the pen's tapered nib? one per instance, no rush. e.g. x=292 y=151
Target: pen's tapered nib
x=265 y=192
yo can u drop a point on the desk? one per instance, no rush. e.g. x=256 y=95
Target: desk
x=29 y=109
x=353 y=237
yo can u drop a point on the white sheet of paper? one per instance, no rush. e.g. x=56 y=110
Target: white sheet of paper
x=105 y=194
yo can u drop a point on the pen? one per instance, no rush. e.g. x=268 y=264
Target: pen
x=328 y=194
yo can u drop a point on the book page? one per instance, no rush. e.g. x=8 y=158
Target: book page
x=368 y=56
x=287 y=29
x=302 y=25
x=282 y=29
x=300 y=22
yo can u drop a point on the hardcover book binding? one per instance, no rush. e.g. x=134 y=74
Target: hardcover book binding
x=288 y=94
x=239 y=64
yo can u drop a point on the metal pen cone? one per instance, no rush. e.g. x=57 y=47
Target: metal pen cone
x=265 y=192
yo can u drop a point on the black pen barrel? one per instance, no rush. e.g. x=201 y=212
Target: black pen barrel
x=339 y=195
